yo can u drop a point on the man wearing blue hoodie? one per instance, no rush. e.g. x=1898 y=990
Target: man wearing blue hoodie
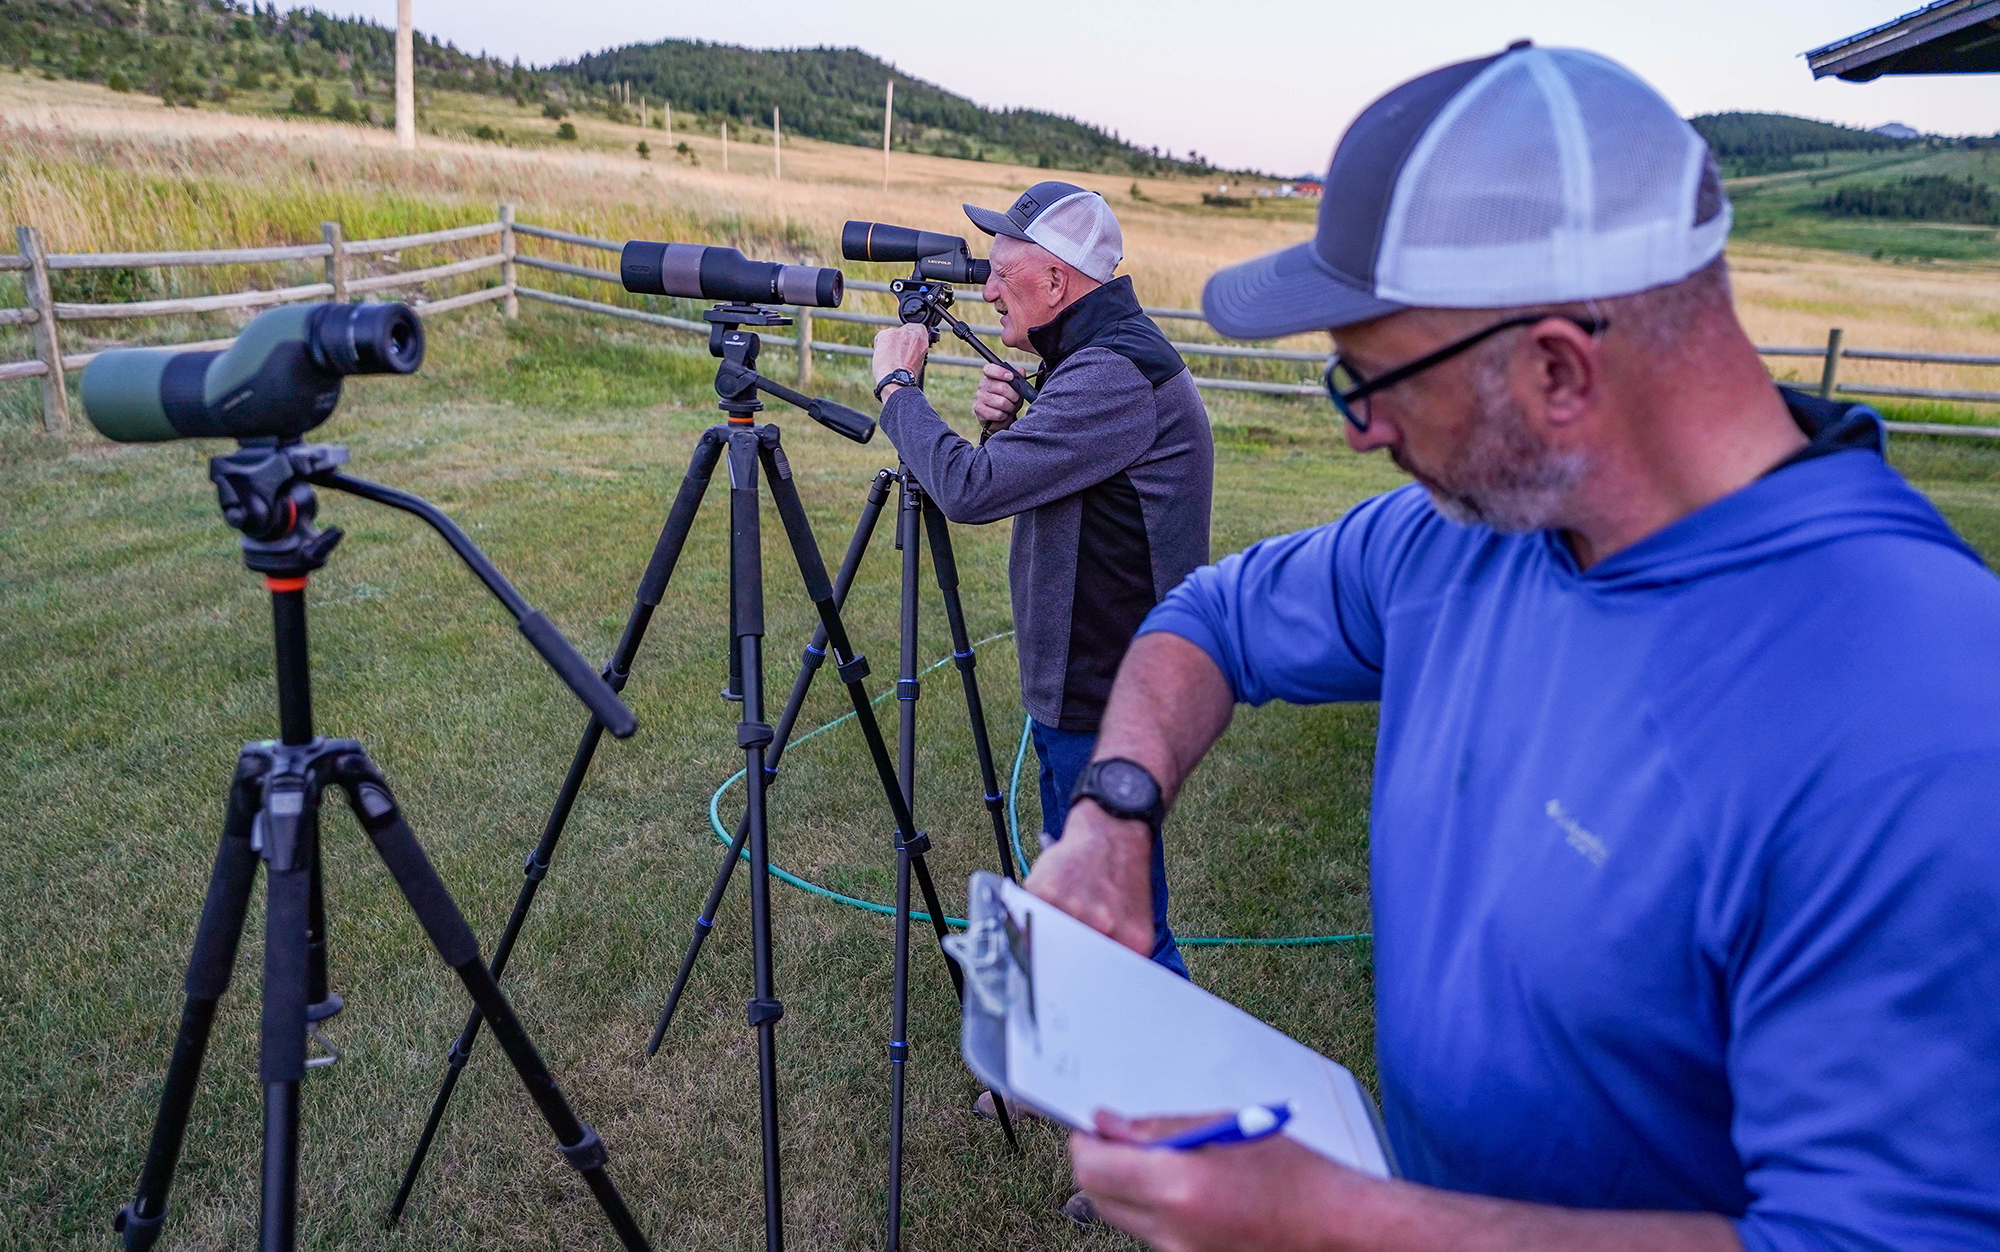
x=1684 y=861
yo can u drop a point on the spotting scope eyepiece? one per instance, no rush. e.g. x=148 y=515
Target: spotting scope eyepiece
x=944 y=258
x=701 y=272
x=279 y=379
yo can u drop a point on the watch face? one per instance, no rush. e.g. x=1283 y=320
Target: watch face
x=1127 y=786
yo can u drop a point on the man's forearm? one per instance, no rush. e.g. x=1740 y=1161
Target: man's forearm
x=1279 y=1196
x=1411 y=1218
x=1168 y=706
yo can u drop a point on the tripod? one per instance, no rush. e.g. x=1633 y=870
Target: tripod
x=748 y=447
x=273 y=816
x=916 y=516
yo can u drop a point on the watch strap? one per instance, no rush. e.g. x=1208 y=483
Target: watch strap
x=900 y=377
x=1087 y=788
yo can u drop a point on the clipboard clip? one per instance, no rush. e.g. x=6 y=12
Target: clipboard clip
x=991 y=944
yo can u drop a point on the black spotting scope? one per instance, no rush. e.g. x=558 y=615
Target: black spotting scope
x=701 y=272
x=944 y=258
x=279 y=379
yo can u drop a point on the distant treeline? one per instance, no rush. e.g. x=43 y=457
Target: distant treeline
x=1776 y=134
x=836 y=94
x=1771 y=143
x=194 y=51
x=191 y=51
x=1920 y=197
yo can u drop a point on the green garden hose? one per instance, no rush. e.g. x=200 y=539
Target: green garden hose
x=1013 y=832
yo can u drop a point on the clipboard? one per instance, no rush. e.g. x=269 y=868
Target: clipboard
x=1067 y=1021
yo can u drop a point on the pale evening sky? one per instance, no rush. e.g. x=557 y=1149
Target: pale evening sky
x=1264 y=83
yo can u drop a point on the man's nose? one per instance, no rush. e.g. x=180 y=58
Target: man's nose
x=991 y=290
x=1380 y=433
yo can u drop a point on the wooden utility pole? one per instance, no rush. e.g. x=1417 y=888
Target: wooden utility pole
x=777 y=147
x=888 y=114
x=406 y=79
x=725 y=147
x=642 y=112
x=667 y=116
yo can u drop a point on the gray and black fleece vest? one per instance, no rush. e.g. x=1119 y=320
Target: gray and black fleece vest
x=1108 y=476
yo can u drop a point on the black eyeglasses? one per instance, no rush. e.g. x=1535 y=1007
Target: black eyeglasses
x=1345 y=384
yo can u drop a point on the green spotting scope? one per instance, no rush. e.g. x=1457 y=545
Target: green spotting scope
x=278 y=380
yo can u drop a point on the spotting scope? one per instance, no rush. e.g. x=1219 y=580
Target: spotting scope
x=278 y=380
x=943 y=258
x=701 y=272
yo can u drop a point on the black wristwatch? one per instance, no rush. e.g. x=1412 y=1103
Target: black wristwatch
x=1122 y=788
x=902 y=378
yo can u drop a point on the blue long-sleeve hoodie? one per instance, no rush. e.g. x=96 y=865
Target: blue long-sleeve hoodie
x=1685 y=868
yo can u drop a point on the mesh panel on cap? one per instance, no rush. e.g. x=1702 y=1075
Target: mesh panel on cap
x=1638 y=149
x=1554 y=176
x=1489 y=175
x=1082 y=230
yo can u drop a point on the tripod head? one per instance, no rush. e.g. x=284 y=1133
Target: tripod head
x=927 y=301
x=925 y=297
x=738 y=382
x=265 y=490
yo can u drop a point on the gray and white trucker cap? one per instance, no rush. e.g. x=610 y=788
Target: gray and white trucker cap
x=1075 y=225
x=1537 y=176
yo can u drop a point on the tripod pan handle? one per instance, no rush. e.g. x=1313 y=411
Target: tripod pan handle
x=586 y=682
x=842 y=420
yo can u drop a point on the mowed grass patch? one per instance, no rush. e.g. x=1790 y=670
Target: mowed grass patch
x=135 y=651
x=136 y=655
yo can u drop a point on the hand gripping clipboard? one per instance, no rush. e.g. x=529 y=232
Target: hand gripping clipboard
x=1067 y=1021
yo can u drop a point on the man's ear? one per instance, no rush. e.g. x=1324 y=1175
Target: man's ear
x=1565 y=371
x=1058 y=284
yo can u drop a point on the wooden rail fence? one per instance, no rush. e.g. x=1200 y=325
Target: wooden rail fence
x=45 y=314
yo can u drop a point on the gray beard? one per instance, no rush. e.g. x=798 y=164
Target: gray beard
x=1505 y=477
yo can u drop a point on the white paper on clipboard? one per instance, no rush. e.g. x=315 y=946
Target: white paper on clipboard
x=1067 y=1021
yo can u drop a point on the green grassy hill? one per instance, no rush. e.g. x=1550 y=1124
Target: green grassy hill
x=212 y=52
x=1916 y=204
x=1814 y=184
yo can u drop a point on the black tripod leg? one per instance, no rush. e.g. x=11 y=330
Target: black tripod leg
x=290 y=834
x=910 y=844
x=375 y=808
x=208 y=974
x=899 y=1045
x=747 y=580
x=945 y=565
x=809 y=663
x=652 y=589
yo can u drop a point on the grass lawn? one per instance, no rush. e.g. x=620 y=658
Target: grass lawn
x=1785 y=208
x=135 y=658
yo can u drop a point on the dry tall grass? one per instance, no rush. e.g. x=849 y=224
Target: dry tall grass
x=102 y=171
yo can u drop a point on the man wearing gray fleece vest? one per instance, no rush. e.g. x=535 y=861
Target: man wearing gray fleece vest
x=1108 y=476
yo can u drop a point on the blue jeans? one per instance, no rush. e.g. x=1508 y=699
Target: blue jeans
x=1063 y=754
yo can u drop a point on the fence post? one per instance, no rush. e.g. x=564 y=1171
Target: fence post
x=336 y=261
x=510 y=304
x=55 y=391
x=805 y=330
x=1831 y=371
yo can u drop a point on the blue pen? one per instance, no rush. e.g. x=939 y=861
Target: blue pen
x=1259 y=1121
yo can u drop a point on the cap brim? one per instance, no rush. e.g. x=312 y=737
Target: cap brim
x=1286 y=293
x=993 y=223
